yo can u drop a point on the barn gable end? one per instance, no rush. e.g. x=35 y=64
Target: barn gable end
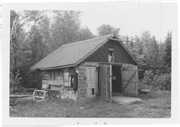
x=120 y=54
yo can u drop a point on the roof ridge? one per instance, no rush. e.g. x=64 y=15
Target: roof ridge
x=86 y=40
x=71 y=47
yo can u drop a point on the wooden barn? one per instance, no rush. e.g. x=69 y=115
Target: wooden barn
x=99 y=67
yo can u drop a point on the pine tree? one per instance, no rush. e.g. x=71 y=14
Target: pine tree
x=154 y=52
x=167 y=55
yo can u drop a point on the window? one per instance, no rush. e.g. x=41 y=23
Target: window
x=92 y=91
x=111 y=55
x=45 y=79
x=45 y=76
x=72 y=81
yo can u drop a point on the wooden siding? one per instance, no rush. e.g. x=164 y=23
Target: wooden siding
x=105 y=90
x=101 y=55
x=120 y=54
x=55 y=78
x=130 y=79
x=59 y=80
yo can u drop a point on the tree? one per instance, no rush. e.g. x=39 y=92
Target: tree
x=35 y=35
x=43 y=35
x=106 y=29
x=167 y=55
x=135 y=46
x=148 y=48
x=129 y=43
x=152 y=53
x=138 y=44
x=144 y=48
x=36 y=45
x=155 y=61
x=17 y=37
x=161 y=54
x=84 y=34
x=126 y=41
x=65 y=27
x=16 y=33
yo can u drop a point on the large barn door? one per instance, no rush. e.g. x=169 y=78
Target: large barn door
x=130 y=79
x=104 y=82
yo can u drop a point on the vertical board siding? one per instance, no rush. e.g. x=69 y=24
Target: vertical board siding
x=120 y=54
x=104 y=82
x=127 y=72
x=101 y=55
x=55 y=78
x=110 y=81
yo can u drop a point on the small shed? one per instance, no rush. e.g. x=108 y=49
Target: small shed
x=98 y=67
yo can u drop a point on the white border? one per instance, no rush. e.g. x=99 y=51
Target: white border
x=74 y=121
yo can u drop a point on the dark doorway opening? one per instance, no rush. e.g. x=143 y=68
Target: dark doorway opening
x=116 y=79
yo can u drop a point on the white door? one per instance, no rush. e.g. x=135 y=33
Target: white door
x=91 y=80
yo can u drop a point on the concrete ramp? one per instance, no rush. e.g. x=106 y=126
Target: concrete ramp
x=125 y=99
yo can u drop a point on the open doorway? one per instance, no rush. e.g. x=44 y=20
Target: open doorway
x=116 y=79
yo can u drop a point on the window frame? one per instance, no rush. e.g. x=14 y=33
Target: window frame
x=111 y=53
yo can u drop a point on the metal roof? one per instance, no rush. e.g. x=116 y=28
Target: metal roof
x=71 y=54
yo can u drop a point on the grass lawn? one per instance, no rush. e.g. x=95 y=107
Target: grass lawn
x=154 y=105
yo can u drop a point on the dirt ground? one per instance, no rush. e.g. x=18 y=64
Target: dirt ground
x=153 y=105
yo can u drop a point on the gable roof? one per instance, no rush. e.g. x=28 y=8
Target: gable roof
x=71 y=54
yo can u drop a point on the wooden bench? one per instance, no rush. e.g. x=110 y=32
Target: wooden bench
x=30 y=90
x=13 y=98
x=37 y=94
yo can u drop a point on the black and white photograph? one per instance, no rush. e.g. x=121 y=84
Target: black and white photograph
x=91 y=60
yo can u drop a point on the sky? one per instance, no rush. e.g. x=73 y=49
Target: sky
x=132 y=18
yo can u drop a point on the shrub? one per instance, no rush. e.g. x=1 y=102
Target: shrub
x=157 y=81
x=29 y=78
x=15 y=81
x=148 y=78
x=163 y=81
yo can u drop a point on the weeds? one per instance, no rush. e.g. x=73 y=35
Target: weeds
x=159 y=102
